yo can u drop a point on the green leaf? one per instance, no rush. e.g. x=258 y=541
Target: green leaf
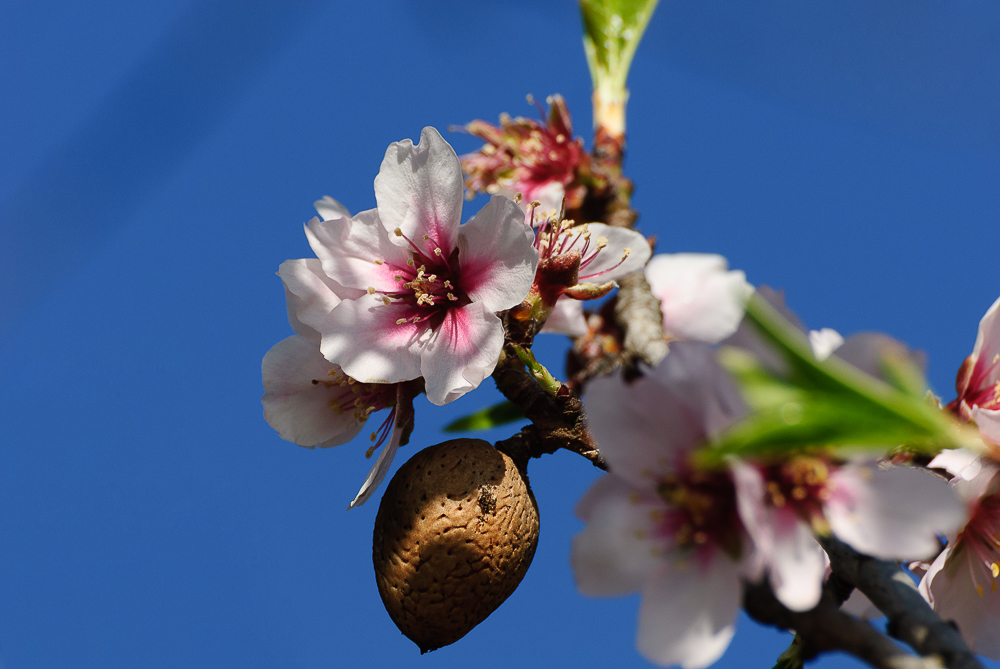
x=498 y=414
x=825 y=403
x=612 y=31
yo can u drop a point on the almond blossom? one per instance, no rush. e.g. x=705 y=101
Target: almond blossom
x=961 y=583
x=657 y=524
x=541 y=161
x=581 y=262
x=701 y=299
x=978 y=382
x=429 y=287
x=310 y=402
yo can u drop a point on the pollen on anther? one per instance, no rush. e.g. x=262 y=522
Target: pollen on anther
x=427 y=237
x=371 y=290
x=398 y=232
x=995 y=569
x=437 y=251
x=373 y=436
x=411 y=263
x=400 y=321
x=379 y=262
x=386 y=301
x=369 y=452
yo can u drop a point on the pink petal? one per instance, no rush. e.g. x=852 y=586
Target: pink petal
x=357 y=252
x=296 y=407
x=566 y=318
x=613 y=555
x=756 y=517
x=700 y=299
x=892 y=514
x=363 y=337
x=688 y=615
x=497 y=255
x=419 y=189
x=329 y=209
x=461 y=352
x=988 y=344
x=310 y=295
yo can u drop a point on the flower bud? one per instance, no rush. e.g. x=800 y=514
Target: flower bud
x=455 y=533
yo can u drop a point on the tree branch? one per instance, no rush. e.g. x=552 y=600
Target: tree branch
x=827 y=628
x=911 y=619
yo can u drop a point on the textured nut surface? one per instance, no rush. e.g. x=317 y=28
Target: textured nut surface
x=455 y=533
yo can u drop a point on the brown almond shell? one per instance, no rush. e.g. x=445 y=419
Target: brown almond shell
x=455 y=533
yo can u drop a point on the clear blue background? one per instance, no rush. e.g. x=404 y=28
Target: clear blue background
x=157 y=161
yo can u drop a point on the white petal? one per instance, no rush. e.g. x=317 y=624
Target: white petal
x=960 y=462
x=949 y=587
x=646 y=427
x=296 y=407
x=688 y=617
x=892 y=514
x=566 y=318
x=700 y=299
x=988 y=343
x=357 y=252
x=497 y=255
x=419 y=189
x=461 y=352
x=607 y=264
x=380 y=468
x=310 y=295
x=329 y=209
x=797 y=567
x=756 y=517
x=988 y=422
x=613 y=555
x=824 y=342
x=364 y=338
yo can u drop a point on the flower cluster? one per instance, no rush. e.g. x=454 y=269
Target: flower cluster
x=400 y=299
x=541 y=161
x=687 y=536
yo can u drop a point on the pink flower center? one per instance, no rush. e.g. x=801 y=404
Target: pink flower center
x=429 y=284
x=702 y=513
x=802 y=483
x=981 y=539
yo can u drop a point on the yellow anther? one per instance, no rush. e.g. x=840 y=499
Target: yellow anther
x=427 y=237
x=799 y=493
x=371 y=290
x=397 y=278
x=373 y=436
x=996 y=358
x=336 y=407
x=979 y=589
x=452 y=297
x=437 y=251
x=995 y=569
x=447 y=284
x=517 y=198
x=386 y=301
x=369 y=452
x=431 y=278
x=560 y=138
x=398 y=232
x=400 y=321
x=601 y=242
x=625 y=252
x=379 y=262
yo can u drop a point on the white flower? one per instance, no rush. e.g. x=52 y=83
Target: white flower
x=961 y=583
x=426 y=288
x=701 y=299
x=655 y=523
x=310 y=402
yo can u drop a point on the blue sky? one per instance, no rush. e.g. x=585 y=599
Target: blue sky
x=157 y=161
